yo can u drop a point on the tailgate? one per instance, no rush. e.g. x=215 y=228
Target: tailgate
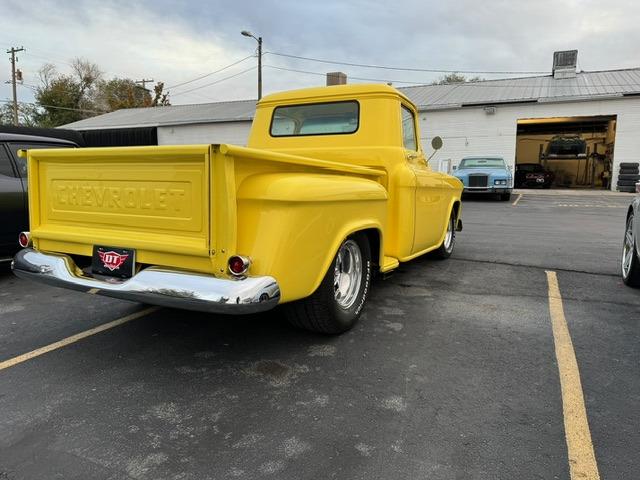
x=152 y=199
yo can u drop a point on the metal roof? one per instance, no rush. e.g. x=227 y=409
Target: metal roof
x=584 y=86
x=236 y=111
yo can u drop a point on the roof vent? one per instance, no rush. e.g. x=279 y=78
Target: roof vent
x=564 y=64
x=336 y=78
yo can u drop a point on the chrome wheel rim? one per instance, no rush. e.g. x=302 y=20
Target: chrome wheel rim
x=448 y=238
x=347 y=274
x=628 y=248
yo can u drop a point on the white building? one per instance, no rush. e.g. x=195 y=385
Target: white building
x=515 y=118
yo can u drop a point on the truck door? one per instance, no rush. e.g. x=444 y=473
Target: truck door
x=13 y=213
x=429 y=195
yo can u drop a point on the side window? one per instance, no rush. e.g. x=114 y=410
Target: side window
x=5 y=163
x=408 y=129
x=22 y=162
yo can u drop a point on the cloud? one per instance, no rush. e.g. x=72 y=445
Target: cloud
x=175 y=41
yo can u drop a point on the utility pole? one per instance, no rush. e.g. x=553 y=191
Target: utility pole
x=144 y=82
x=13 y=51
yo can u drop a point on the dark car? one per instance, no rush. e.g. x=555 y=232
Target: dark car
x=566 y=146
x=13 y=186
x=533 y=175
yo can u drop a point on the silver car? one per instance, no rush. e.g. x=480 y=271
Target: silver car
x=630 y=253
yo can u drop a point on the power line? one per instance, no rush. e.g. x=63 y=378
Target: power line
x=57 y=107
x=353 y=78
x=407 y=69
x=217 y=81
x=210 y=73
x=47 y=58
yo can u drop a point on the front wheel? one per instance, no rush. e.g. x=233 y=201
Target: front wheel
x=336 y=305
x=446 y=249
x=630 y=261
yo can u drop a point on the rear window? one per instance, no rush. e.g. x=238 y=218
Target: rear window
x=530 y=168
x=315 y=119
x=482 y=162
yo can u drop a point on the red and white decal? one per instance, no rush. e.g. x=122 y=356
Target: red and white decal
x=112 y=260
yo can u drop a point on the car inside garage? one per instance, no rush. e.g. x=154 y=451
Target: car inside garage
x=567 y=152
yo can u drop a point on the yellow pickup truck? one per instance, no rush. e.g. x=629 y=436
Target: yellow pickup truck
x=332 y=187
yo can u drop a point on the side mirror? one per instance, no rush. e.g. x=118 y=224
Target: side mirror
x=436 y=144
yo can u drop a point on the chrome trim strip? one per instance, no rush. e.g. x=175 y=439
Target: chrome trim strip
x=155 y=285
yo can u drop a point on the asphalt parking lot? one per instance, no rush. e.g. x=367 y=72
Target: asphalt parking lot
x=452 y=372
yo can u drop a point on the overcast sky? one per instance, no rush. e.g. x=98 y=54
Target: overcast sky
x=178 y=41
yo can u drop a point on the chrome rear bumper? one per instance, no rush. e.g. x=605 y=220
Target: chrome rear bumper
x=154 y=285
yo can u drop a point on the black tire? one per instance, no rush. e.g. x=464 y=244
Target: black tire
x=629 y=171
x=505 y=197
x=626 y=183
x=630 y=276
x=626 y=189
x=629 y=164
x=321 y=312
x=628 y=176
x=446 y=248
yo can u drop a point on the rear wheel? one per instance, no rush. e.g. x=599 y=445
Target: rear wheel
x=336 y=305
x=446 y=249
x=630 y=262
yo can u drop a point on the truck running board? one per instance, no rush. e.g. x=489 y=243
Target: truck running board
x=388 y=264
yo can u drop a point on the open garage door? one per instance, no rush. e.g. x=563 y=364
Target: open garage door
x=565 y=152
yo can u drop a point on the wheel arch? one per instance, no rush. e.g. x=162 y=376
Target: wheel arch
x=373 y=233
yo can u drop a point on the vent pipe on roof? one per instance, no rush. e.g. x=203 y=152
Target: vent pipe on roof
x=564 y=64
x=336 y=78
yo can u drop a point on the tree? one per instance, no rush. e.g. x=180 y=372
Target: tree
x=160 y=99
x=27 y=114
x=88 y=77
x=455 y=78
x=120 y=93
x=67 y=98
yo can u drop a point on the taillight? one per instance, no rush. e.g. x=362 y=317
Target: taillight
x=239 y=264
x=24 y=239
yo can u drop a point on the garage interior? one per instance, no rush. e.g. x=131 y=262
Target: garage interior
x=586 y=163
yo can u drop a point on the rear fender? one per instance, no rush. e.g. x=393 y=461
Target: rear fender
x=292 y=224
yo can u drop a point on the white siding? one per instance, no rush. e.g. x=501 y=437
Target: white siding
x=235 y=133
x=471 y=131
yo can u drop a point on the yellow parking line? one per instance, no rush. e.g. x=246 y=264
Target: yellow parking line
x=74 y=338
x=582 y=459
x=515 y=202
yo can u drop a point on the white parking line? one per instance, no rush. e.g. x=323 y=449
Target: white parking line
x=587 y=205
x=515 y=202
x=582 y=458
x=74 y=338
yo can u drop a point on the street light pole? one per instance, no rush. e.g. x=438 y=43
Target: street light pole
x=259 y=40
x=259 y=68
